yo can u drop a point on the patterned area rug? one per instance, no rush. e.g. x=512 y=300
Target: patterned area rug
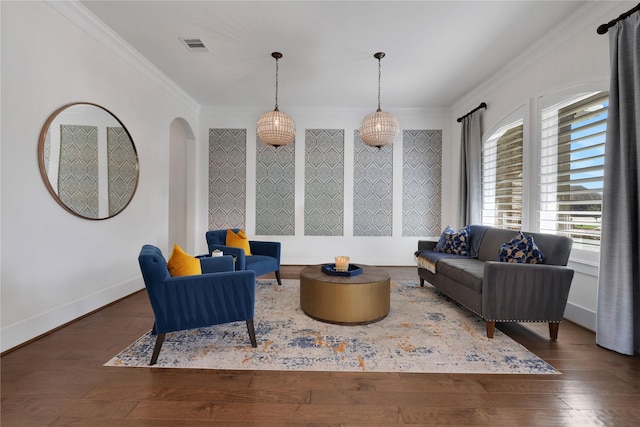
x=424 y=332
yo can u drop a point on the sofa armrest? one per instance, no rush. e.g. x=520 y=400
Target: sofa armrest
x=424 y=245
x=525 y=292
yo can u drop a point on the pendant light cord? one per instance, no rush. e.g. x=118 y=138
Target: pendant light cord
x=276 y=84
x=379 y=77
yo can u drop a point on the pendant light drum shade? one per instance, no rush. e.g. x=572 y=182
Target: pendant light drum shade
x=379 y=129
x=276 y=128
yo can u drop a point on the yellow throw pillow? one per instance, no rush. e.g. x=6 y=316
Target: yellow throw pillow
x=182 y=264
x=238 y=241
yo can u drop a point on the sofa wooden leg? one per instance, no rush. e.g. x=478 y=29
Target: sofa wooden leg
x=252 y=333
x=278 y=277
x=156 y=349
x=421 y=282
x=553 y=330
x=491 y=327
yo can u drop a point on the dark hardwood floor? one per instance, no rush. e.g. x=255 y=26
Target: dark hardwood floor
x=59 y=380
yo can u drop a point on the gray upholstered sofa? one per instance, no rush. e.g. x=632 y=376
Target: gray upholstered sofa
x=502 y=291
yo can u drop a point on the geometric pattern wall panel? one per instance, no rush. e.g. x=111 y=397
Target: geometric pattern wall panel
x=324 y=182
x=421 y=182
x=372 y=189
x=78 y=173
x=122 y=166
x=275 y=189
x=227 y=178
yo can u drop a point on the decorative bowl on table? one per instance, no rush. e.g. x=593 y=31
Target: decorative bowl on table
x=352 y=270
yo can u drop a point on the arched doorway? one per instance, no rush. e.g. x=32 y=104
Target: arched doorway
x=181 y=144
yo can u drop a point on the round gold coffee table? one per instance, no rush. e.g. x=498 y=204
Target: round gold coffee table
x=355 y=300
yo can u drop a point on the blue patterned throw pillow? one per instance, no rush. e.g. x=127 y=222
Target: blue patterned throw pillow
x=521 y=249
x=443 y=236
x=454 y=243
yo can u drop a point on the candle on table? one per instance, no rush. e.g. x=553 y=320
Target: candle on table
x=342 y=263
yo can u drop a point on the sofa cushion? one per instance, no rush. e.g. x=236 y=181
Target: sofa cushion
x=556 y=248
x=475 y=239
x=492 y=241
x=428 y=259
x=468 y=271
x=521 y=249
x=454 y=243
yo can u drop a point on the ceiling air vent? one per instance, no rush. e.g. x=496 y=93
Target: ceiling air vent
x=194 y=44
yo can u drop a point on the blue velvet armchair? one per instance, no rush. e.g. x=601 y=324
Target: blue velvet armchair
x=219 y=295
x=265 y=256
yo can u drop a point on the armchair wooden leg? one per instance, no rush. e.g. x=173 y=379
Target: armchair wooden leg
x=156 y=349
x=252 y=333
x=553 y=330
x=278 y=277
x=491 y=327
x=421 y=282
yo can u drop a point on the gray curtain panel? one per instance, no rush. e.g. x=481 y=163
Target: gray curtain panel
x=469 y=206
x=618 y=312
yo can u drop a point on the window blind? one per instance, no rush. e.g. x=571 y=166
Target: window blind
x=573 y=137
x=502 y=178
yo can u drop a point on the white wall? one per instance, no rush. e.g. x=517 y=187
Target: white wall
x=301 y=249
x=572 y=56
x=56 y=267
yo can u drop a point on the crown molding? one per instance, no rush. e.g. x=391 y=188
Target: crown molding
x=588 y=12
x=92 y=25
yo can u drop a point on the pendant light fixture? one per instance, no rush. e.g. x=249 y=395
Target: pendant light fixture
x=379 y=128
x=276 y=128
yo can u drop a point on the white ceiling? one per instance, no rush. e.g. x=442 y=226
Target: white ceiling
x=436 y=51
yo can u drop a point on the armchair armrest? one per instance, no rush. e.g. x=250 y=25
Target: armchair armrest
x=230 y=250
x=525 y=292
x=271 y=249
x=216 y=264
x=187 y=302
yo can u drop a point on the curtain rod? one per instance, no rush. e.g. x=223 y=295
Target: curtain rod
x=602 y=29
x=482 y=105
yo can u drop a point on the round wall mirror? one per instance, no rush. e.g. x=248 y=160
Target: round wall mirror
x=88 y=161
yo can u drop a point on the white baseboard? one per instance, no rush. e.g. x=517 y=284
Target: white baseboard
x=21 y=332
x=581 y=316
